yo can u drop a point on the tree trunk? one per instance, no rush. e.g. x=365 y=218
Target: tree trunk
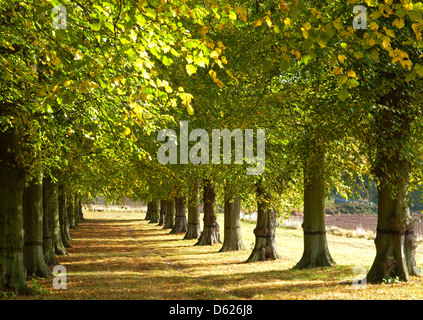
x=76 y=201
x=48 y=248
x=70 y=198
x=80 y=212
x=12 y=182
x=210 y=234
x=163 y=212
x=180 y=216
x=33 y=226
x=193 y=229
x=155 y=209
x=148 y=213
x=63 y=218
x=316 y=252
x=395 y=241
x=265 y=231
x=232 y=239
x=56 y=233
x=170 y=214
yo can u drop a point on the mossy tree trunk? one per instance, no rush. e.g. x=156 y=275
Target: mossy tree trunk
x=193 y=229
x=180 y=216
x=80 y=211
x=12 y=182
x=170 y=214
x=33 y=226
x=232 y=238
x=316 y=252
x=163 y=213
x=76 y=201
x=48 y=247
x=63 y=218
x=70 y=207
x=155 y=211
x=265 y=230
x=56 y=233
x=211 y=230
x=148 y=212
x=395 y=241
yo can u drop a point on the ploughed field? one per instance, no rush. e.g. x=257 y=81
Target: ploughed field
x=368 y=222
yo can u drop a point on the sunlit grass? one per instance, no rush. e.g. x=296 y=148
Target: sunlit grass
x=122 y=256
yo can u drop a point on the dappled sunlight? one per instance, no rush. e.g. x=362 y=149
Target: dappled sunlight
x=114 y=259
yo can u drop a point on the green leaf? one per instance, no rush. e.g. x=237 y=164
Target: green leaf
x=343 y=94
x=95 y=26
x=167 y=61
x=352 y=83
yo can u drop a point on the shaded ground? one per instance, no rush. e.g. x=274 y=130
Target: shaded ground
x=121 y=256
x=353 y=221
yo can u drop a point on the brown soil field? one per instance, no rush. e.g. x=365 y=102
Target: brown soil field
x=369 y=222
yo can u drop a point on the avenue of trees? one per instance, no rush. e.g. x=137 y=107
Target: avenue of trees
x=86 y=87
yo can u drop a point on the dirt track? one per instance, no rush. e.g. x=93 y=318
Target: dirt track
x=353 y=221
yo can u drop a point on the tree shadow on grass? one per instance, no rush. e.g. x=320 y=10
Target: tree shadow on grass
x=267 y=284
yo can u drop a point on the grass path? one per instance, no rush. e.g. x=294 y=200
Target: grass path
x=122 y=256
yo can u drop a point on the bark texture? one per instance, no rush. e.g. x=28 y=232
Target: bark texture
x=232 y=238
x=163 y=213
x=63 y=218
x=70 y=198
x=33 y=225
x=148 y=213
x=316 y=252
x=211 y=230
x=170 y=214
x=48 y=247
x=12 y=181
x=56 y=233
x=395 y=241
x=265 y=230
x=155 y=209
x=193 y=229
x=180 y=216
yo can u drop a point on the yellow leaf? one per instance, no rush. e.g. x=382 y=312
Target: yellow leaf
x=232 y=15
x=370 y=41
x=373 y=26
x=351 y=74
x=191 y=69
x=337 y=71
x=341 y=58
x=127 y=131
x=296 y=53
x=386 y=45
x=204 y=30
x=242 y=13
x=307 y=26
x=399 y=23
x=190 y=110
x=258 y=23
x=268 y=21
